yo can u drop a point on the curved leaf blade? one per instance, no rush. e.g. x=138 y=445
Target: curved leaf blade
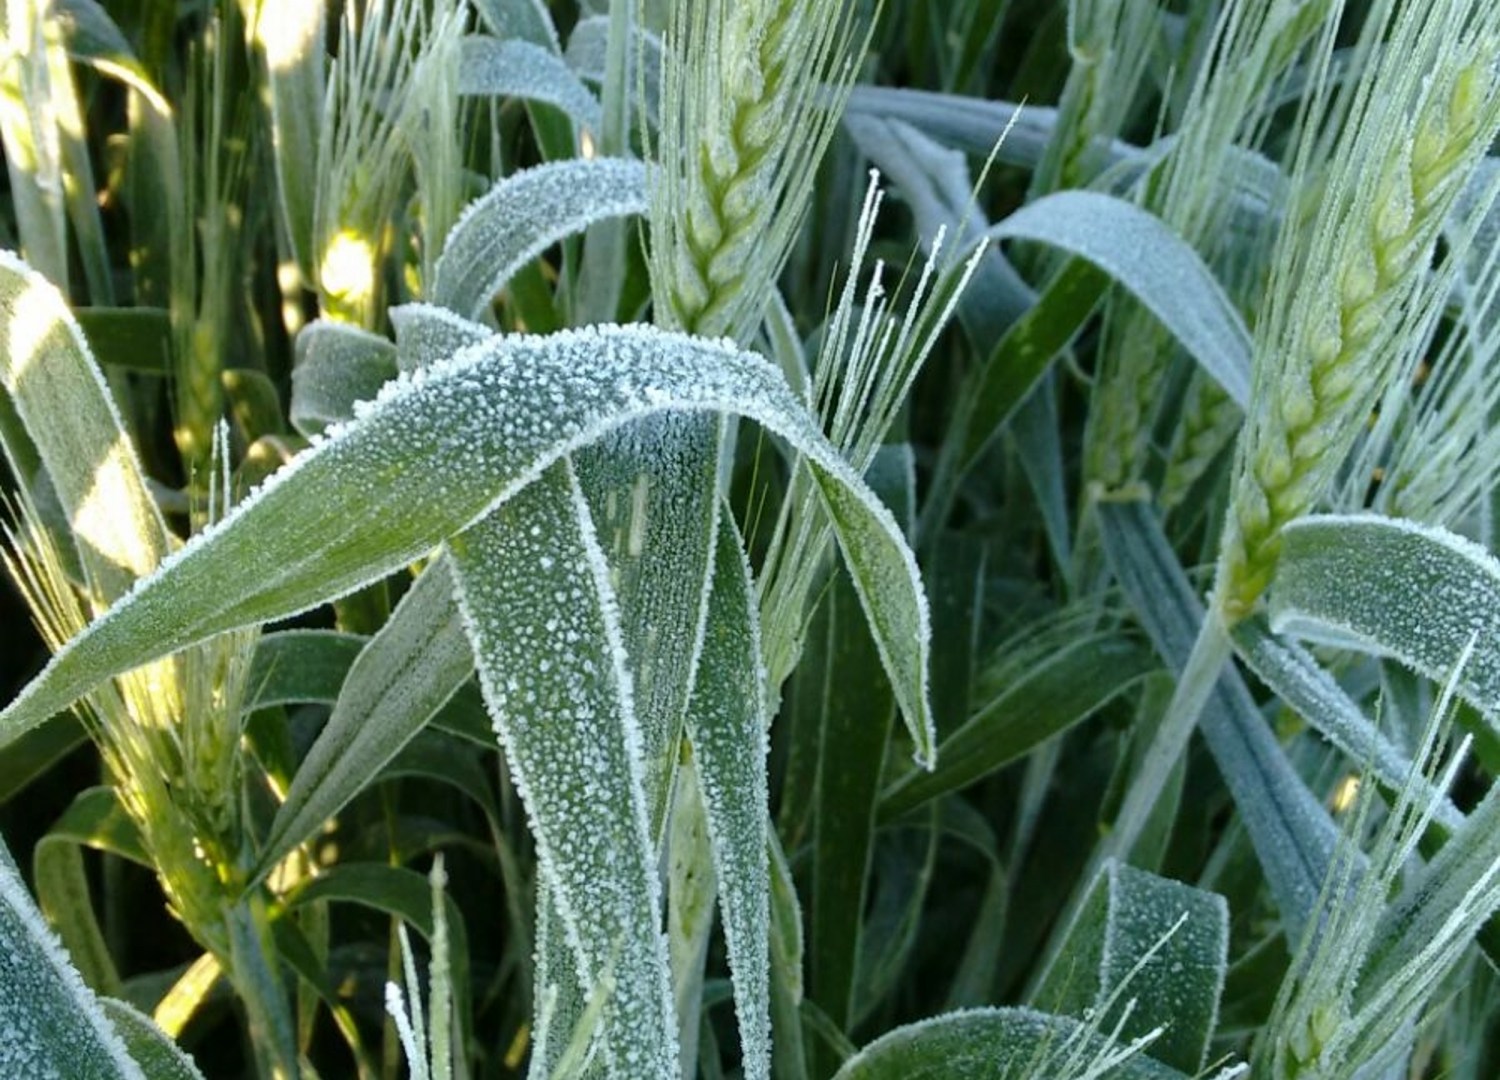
x=525 y=214
x=1418 y=593
x=1179 y=937
x=987 y=1042
x=337 y=366
x=439 y=450
x=490 y=67
x=1156 y=265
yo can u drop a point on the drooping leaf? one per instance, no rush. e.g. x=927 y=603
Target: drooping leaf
x=993 y=1043
x=544 y=622
x=407 y=672
x=1293 y=836
x=526 y=20
x=438 y=450
x=1131 y=915
x=1156 y=265
x=522 y=216
x=1418 y=593
x=726 y=724
x=490 y=67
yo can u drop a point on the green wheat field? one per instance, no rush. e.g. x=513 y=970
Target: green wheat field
x=798 y=539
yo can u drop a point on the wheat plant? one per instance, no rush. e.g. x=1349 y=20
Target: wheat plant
x=798 y=539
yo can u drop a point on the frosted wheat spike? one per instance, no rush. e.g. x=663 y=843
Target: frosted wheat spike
x=1349 y=301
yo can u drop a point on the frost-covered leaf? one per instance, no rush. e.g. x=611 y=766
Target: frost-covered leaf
x=1298 y=679
x=1293 y=836
x=490 y=67
x=337 y=366
x=158 y=1056
x=438 y=450
x=50 y=1023
x=407 y=672
x=48 y=373
x=527 y=20
x=726 y=724
x=651 y=487
x=541 y=611
x=1131 y=915
x=1418 y=593
x=426 y=334
x=523 y=215
x=972 y=124
x=588 y=54
x=1000 y=1043
x=1156 y=265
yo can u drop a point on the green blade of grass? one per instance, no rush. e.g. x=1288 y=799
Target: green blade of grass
x=159 y=1057
x=1298 y=679
x=726 y=724
x=50 y=1023
x=1067 y=687
x=1293 y=836
x=409 y=670
x=993 y=1042
x=55 y=387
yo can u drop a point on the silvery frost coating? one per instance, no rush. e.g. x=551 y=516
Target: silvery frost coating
x=51 y=1026
x=522 y=216
x=1416 y=592
x=521 y=69
x=535 y=591
x=727 y=718
x=441 y=448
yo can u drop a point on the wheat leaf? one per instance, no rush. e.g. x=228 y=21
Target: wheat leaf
x=1298 y=679
x=48 y=372
x=407 y=672
x=527 y=20
x=726 y=723
x=50 y=1023
x=523 y=70
x=522 y=216
x=435 y=452
x=1155 y=264
x=1292 y=834
x=541 y=612
x=337 y=365
x=159 y=1057
x=991 y=1042
x=1418 y=593
x=1127 y=946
